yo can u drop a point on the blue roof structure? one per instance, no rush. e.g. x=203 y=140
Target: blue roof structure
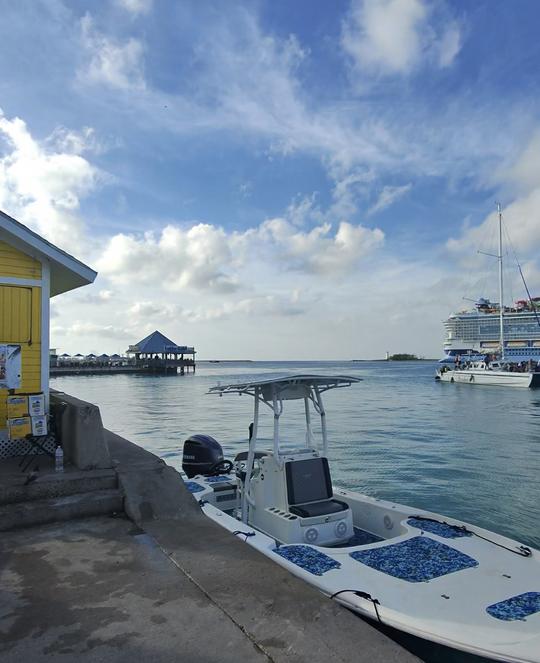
x=157 y=343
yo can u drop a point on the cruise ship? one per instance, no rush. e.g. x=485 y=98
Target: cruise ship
x=473 y=334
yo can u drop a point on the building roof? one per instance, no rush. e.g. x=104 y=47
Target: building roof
x=67 y=273
x=157 y=343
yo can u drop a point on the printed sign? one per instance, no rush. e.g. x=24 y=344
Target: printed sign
x=10 y=366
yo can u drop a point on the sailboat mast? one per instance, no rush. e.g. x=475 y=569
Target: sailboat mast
x=501 y=293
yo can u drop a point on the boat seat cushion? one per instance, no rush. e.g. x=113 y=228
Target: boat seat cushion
x=308 y=481
x=308 y=559
x=516 y=607
x=314 y=509
x=416 y=560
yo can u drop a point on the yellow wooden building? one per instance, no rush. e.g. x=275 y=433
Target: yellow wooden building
x=31 y=271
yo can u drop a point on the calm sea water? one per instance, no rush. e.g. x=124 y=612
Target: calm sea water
x=468 y=452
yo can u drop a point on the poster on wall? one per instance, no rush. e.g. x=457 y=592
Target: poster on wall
x=10 y=366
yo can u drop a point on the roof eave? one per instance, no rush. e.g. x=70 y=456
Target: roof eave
x=67 y=273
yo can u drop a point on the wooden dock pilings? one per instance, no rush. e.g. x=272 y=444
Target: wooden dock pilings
x=140 y=366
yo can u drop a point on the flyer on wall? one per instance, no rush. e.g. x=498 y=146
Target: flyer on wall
x=10 y=366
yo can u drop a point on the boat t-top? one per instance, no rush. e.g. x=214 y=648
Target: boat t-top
x=435 y=577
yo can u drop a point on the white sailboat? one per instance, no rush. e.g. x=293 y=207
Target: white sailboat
x=497 y=373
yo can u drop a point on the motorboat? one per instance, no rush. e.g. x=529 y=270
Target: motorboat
x=429 y=575
x=497 y=373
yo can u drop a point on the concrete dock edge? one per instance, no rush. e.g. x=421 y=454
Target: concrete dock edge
x=284 y=617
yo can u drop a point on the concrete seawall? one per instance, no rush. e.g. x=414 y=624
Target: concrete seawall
x=284 y=617
x=160 y=581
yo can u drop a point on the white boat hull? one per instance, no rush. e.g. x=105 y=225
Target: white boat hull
x=450 y=609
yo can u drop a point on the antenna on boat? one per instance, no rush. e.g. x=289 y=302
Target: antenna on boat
x=501 y=292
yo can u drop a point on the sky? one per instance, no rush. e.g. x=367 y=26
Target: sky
x=273 y=179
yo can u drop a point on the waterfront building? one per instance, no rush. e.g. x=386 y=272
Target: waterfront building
x=159 y=353
x=32 y=270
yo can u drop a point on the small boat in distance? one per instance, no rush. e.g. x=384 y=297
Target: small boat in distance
x=435 y=577
x=501 y=373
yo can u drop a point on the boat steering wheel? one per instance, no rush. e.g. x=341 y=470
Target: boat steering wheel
x=224 y=466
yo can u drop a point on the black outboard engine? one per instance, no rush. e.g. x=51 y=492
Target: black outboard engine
x=202 y=455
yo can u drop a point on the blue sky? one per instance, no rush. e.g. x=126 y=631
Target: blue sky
x=272 y=179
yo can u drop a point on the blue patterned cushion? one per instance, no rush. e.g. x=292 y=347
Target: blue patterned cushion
x=193 y=486
x=308 y=559
x=440 y=529
x=416 y=560
x=216 y=479
x=516 y=607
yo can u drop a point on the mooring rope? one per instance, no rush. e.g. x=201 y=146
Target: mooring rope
x=362 y=595
x=523 y=551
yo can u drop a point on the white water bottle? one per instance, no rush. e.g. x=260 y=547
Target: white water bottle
x=59 y=459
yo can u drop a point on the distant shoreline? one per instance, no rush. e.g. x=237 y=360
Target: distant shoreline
x=295 y=361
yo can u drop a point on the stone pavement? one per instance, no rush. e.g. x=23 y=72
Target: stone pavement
x=164 y=584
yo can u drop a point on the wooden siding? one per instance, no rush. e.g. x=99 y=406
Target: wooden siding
x=20 y=317
x=15 y=314
x=15 y=263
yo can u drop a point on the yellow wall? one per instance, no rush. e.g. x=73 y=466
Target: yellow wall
x=18 y=264
x=20 y=318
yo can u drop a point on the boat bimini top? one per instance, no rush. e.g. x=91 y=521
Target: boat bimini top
x=272 y=393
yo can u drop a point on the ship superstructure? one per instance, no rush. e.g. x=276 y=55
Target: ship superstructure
x=475 y=333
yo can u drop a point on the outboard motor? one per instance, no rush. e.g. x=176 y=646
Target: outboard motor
x=202 y=455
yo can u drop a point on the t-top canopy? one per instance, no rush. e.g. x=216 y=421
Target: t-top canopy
x=289 y=387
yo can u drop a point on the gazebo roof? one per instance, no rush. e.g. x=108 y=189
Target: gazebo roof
x=157 y=343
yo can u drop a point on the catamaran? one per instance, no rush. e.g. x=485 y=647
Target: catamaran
x=435 y=577
x=503 y=372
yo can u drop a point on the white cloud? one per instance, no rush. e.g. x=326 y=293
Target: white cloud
x=449 y=46
x=521 y=217
x=522 y=221
x=385 y=34
x=111 y=62
x=304 y=210
x=207 y=258
x=136 y=7
x=91 y=329
x=198 y=257
x=261 y=306
x=146 y=309
x=42 y=184
x=250 y=83
x=524 y=173
x=348 y=188
x=318 y=251
x=102 y=297
x=395 y=36
x=388 y=196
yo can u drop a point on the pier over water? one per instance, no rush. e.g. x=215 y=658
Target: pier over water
x=158 y=354
x=154 y=355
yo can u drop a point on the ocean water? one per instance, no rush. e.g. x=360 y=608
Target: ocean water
x=464 y=451
x=469 y=452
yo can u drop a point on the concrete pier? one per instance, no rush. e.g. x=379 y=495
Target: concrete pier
x=163 y=582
